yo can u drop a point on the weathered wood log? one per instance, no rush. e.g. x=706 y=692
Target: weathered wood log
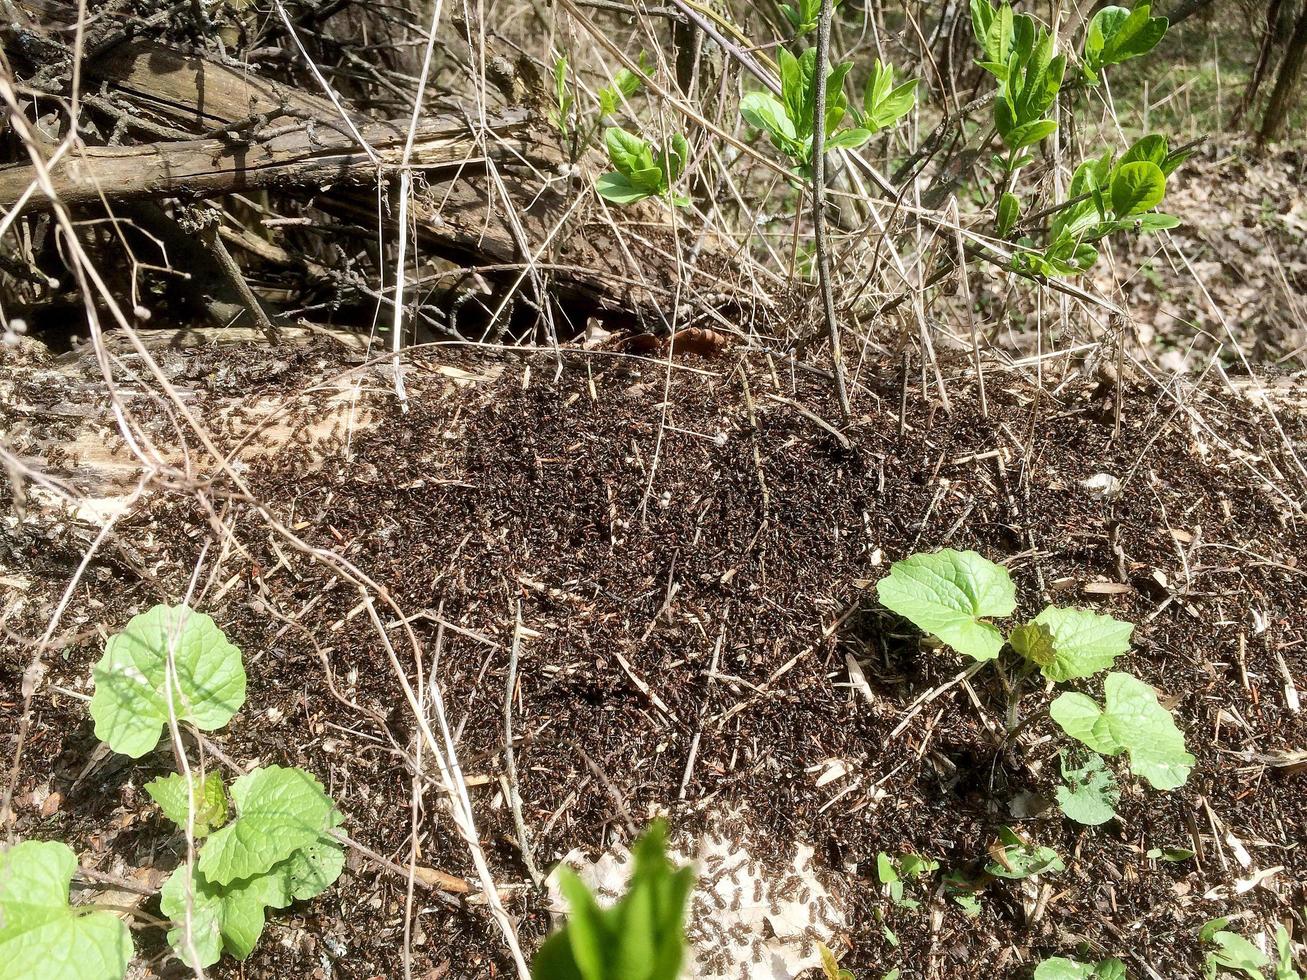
x=289 y=140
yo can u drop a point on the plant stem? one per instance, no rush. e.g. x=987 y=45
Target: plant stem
x=819 y=208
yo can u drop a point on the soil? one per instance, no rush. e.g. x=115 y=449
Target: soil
x=646 y=523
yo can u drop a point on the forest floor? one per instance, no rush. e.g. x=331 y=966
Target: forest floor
x=688 y=550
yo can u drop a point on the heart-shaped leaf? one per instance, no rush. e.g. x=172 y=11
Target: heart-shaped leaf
x=131 y=702
x=1131 y=721
x=41 y=935
x=946 y=594
x=279 y=812
x=1090 y=794
x=1067 y=643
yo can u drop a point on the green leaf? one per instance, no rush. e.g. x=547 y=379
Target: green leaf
x=130 y=706
x=969 y=904
x=1090 y=794
x=1130 y=721
x=1060 y=968
x=41 y=935
x=1233 y=952
x=619 y=189
x=946 y=593
x=1137 y=187
x=221 y=917
x=633 y=157
x=1172 y=855
x=883 y=103
x=641 y=937
x=1284 y=968
x=279 y=812
x=1083 y=642
x=207 y=795
x=763 y=111
x=1116 y=34
x=847 y=139
x=982 y=18
x=1028 y=134
x=1155 y=221
x=231 y=917
x=1009 y=211
x=1017 y=858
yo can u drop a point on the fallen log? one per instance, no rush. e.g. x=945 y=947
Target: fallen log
x=245 y=133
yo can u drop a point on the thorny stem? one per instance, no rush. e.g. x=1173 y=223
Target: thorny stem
x=819 y=208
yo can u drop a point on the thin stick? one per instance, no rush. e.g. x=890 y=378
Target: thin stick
x=819 y=209
x=971 y=313
x=510 y=761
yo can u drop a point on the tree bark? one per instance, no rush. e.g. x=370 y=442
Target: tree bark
x=1186 y=9
x=1286 y=84
x=1263 y=62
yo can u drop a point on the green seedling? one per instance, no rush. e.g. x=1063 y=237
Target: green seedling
x=133 y=697
x=789 y=119
x=1130 y=720
x=1015 y=858
x=641 y=937
x=207 y=797
x=950 y=594
x=175 y=662
x=1232 y=953
x=1090 y=793
x=1284 y=968
x=41 y=935
x=560 y=114
x=830 y=967
x=1060 y=968
x=895 y=873
x=643 y=169
x=279 y=849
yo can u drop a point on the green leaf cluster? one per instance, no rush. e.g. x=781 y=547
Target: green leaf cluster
x=1017 y=858
x=278 y=850
x=803 y=15
x=788 y=121
x=133 y=697
x=1060 y=968
x=883 y=102
x=1106 y=196
x=1130 y=720
x=1117 y=34
x=952 y=594
x=641 y=937
x=643 y=169
x=895 y=873
x=1020 y=54
x=207 y=795
x=41 y=935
